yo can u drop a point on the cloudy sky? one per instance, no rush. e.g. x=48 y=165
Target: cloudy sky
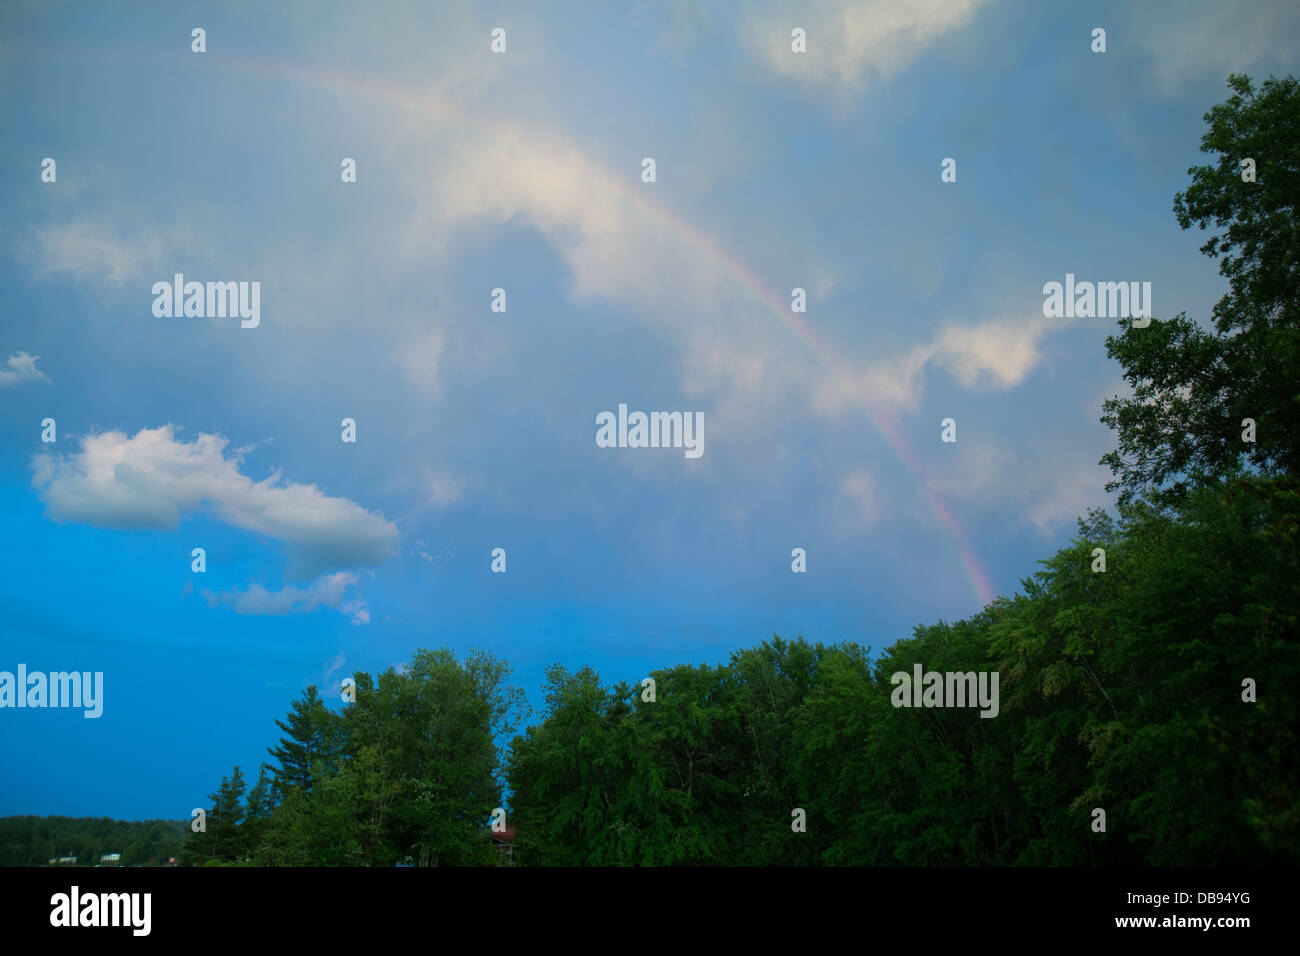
x=476 y=429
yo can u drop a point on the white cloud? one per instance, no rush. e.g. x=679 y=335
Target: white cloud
x=19 y=368
x=1000 y=352
x=616 y=241
x=622 y=244
x=326 y=591
x=151 y=480
x=617 y=250
x=849 y=40
x=87 y=250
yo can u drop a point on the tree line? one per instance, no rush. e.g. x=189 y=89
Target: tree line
x=1160 y=691
x=1120 y=690
x=34 y=841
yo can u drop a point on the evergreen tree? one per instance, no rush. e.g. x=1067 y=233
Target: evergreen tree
x=257 y=813
x=312 y=737
x=221 y=841
x=224 y=819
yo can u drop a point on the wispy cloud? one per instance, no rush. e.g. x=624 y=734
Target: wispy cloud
x=605 y=231
x=445 y=489
x=20 y=367
x=422 y=551
x=326 y=591
x=334 y=668
x=858 y=489
x=420 y=361
x=849 y=41
x=1194 y=43
x=1067 y=496
x=618 y=246
x=999 y=353
x=89 y=250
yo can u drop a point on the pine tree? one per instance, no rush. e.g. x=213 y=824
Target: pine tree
x=226 y=816
x=313 y=735
x=257 y=813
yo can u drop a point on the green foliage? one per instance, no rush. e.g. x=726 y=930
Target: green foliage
x=1120 y=690
x=34 y=841
x=407 y=771
x=1193 y=388
x=313 y=732
x=224 y=840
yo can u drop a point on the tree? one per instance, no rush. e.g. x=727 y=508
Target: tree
x=1194 y=388
x=313 y=737
x=426 y=755
x=222 y=841
x=569 y=788
x=409 y=769
x=257 y=811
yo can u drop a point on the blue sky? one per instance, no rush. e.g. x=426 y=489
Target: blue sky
x=476 y=429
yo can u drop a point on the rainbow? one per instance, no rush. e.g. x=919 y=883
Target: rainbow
x=430 y=104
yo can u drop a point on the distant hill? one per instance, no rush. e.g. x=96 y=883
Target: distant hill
x=34 y=841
